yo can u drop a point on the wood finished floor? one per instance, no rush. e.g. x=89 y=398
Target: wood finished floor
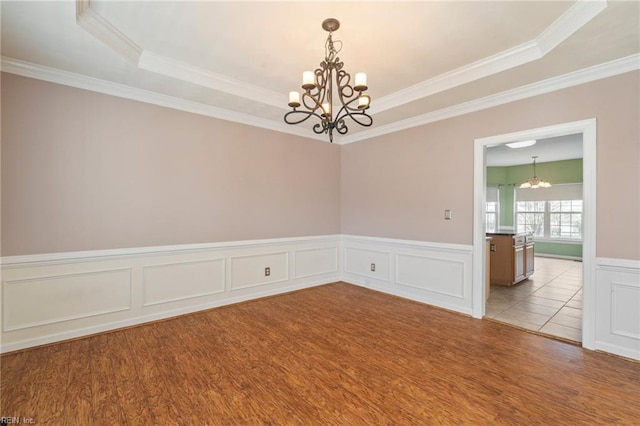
x=335 y=354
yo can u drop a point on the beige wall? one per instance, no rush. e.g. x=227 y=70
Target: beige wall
x=399 y=185
x=83 y=171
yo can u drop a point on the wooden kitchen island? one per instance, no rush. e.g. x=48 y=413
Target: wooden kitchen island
x=512 y=257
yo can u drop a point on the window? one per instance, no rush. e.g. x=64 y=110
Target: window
x=558 y=219
x=553 y=213
x=492 y=209
x=530 y=217
x=565 y=219
x=491 y=213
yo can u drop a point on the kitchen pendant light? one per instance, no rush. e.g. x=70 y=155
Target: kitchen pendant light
x=318 y=91
x=535 y=181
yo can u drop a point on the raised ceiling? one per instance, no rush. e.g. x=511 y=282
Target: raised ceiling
x=238 y=60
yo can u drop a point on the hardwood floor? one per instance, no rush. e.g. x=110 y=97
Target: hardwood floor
x=335 y=354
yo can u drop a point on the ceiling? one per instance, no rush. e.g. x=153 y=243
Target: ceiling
x=551 y=149
x=237 y=60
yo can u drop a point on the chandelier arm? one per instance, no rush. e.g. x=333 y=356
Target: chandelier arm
x=345 y=90
x=321 y=127
x=341 y=126
x=354 y=114
x=307 y=115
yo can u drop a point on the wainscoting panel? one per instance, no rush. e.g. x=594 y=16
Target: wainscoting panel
x=251 y=270
x=36 y=301
x=311 y=262
x=178 y=281
x=618 y=307
x=433 y=273
x=52 y=297
x=444 y=276
x=367 y=263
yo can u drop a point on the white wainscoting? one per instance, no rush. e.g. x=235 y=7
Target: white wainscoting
x=618 y=307
x=433 y=273
x=53 y=297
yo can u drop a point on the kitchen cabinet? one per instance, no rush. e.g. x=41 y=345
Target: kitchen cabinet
x=511 y=258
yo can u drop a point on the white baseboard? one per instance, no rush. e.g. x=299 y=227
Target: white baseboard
x=559 y=256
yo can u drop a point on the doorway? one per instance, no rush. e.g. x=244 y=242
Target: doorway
x=588 y=130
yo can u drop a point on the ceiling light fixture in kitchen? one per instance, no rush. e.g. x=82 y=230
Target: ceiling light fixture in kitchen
x=535 y=181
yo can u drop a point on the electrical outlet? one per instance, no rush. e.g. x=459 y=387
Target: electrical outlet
x=267 y=271
x=373 y=267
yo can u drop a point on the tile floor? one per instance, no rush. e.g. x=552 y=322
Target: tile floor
x=550 y=302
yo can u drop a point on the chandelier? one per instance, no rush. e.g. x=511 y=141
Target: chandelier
x=318 y=93
x=535 y=181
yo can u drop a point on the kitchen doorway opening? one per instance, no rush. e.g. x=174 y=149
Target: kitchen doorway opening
x=587 y=130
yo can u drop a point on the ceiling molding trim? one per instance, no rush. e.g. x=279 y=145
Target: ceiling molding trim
x=485 y=67
x=53 y=75
x=101 y=29
x=568 y=23
x=176 y=69
x=587 y=75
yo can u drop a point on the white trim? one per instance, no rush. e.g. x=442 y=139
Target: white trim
x=76 y=256
x=409 y=243
x=576 y=78
x=96 y=25
x=568 y=23
x=175 y=69
x=617 y=264
x=588 y=130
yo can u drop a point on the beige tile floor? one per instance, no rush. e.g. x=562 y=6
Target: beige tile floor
x=550 y=302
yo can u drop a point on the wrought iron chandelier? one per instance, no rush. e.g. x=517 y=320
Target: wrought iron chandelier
x=317 y=95
x=535 y=181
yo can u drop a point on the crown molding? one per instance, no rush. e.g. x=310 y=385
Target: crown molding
x=53 y=75
x=568 y=23
x=176 y=69
x=596 y=72
x=100 y=28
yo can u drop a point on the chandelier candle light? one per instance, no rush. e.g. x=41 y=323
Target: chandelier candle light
x=317 y=97
x=535 y=181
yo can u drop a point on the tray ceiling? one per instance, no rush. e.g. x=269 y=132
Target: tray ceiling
x=238 y=60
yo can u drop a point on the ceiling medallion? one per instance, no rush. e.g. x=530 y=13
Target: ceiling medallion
x=318 y=92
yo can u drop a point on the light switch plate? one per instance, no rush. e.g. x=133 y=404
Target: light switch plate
x=447 y=214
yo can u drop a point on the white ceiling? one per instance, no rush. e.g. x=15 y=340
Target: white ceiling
x=551 y=149
x=238 y=60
